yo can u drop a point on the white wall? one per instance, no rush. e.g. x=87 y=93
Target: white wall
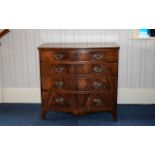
x=19 y=56
x=1 y=77
x=0 y=68
x=137 y=61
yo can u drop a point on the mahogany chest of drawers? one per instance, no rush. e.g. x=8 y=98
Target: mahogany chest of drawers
x=79 y=78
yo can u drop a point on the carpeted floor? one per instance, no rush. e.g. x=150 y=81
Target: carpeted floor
x=28 y=115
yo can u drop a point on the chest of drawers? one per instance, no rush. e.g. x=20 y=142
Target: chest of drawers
x=79 y=78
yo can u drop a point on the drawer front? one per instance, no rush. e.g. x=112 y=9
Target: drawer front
x=97 y=100
x=61 y=100
x=104 y=55
x=79 y=84
x=100 y=100
x=78 y=69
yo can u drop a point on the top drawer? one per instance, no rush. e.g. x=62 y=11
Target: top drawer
x=59 y=55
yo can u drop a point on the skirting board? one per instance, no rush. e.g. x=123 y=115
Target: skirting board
x=32 y=95
x=1 y=95
x=21 y=95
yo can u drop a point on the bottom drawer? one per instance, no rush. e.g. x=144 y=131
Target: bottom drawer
x=100 y=100
x=53 y=99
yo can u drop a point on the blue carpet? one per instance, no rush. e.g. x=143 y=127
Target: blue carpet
x=29 y=115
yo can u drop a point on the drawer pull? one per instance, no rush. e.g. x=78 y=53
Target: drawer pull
x=97 y=69
x=97 y=101
x=59 y=69
x=59 y=84
x=58 y=56
x=98 y=56
x=97 y=84
x=59 y=100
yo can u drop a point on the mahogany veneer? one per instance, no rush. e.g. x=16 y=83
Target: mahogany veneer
x=79 y=78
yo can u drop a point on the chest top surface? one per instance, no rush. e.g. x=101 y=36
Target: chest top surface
x=79 y=45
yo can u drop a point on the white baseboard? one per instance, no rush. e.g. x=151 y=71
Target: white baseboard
x=32 y=95
x=136 y=96
x=21 y=95
x=0 y=95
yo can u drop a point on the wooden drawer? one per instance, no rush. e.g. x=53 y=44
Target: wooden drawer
x=100 y=100
x=48 y=69
x=79 y=84
x=64 y=100
x=60 y=55
x=61 y=100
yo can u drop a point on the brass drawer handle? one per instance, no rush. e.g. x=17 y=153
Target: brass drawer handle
x=59 y=100
x=97 y=69
x=58 y=56
x=59 y=69
x=97 y=84
x=59 y=84
x=97 y=101
x=98 y=56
